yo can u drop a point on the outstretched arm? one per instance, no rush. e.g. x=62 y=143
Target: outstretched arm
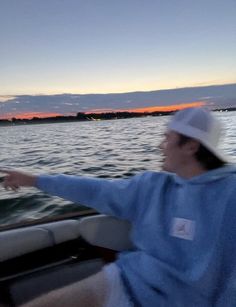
x=117 y=197
x=16 y=179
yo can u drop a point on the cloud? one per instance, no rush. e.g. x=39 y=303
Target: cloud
x=214 y=96
x=6 y=98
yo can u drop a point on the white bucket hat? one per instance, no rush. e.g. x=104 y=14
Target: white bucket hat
x=201 y=125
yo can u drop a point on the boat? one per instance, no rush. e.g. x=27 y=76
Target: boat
x=40 y=256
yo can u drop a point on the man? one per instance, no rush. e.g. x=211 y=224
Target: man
x=184 y=224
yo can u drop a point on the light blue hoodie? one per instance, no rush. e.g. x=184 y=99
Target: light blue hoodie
x=184 y=232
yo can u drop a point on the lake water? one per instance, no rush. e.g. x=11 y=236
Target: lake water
x=108 y=149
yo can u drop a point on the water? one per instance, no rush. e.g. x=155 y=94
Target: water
x=105 y=149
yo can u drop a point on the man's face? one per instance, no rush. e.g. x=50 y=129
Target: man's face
x=174 y=154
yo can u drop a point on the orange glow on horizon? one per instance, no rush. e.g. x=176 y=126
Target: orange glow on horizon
x=175 y=107
x=169 y=108
x=30 y=115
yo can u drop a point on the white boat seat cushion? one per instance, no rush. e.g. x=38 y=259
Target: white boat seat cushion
x=18 y=242
x=106 y=231
x=99 y=230
x=62 y=231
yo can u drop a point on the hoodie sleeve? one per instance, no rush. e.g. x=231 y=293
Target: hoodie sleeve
x=118 y=197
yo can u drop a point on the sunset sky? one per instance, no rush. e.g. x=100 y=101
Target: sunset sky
x=106 y=46
x=30 y=115
x=153 y=109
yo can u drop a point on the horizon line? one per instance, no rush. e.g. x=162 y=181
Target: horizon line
x=151 y=109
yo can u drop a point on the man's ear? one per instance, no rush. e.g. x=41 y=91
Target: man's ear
x=192 y=147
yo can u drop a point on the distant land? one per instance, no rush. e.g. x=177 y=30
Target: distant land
x=90 y=117
x=32 y=107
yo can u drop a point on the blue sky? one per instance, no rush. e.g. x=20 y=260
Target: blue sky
x=108 y=46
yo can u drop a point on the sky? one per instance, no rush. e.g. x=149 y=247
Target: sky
x=108 y=46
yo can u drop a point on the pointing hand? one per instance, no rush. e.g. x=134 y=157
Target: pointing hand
x=16 y=179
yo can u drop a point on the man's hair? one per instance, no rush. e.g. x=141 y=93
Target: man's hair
x=207 y=159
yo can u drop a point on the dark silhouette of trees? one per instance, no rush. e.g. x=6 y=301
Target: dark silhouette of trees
x=80 y=116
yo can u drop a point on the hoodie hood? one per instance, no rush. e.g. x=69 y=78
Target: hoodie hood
x=208 y=176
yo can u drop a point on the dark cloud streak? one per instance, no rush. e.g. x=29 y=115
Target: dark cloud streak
x=218 y=96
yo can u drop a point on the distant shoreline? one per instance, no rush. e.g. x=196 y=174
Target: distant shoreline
x=81 y=117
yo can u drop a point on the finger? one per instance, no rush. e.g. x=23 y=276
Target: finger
x=7 y=182
x=15 y=188
x=6 y=187
x=10 y=186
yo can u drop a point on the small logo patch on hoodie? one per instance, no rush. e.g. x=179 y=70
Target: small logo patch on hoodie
x=182 y=228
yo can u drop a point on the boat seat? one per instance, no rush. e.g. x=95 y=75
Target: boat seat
x=99 y=230
x=61 y=231
x=18 y=242
x=106 y=231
